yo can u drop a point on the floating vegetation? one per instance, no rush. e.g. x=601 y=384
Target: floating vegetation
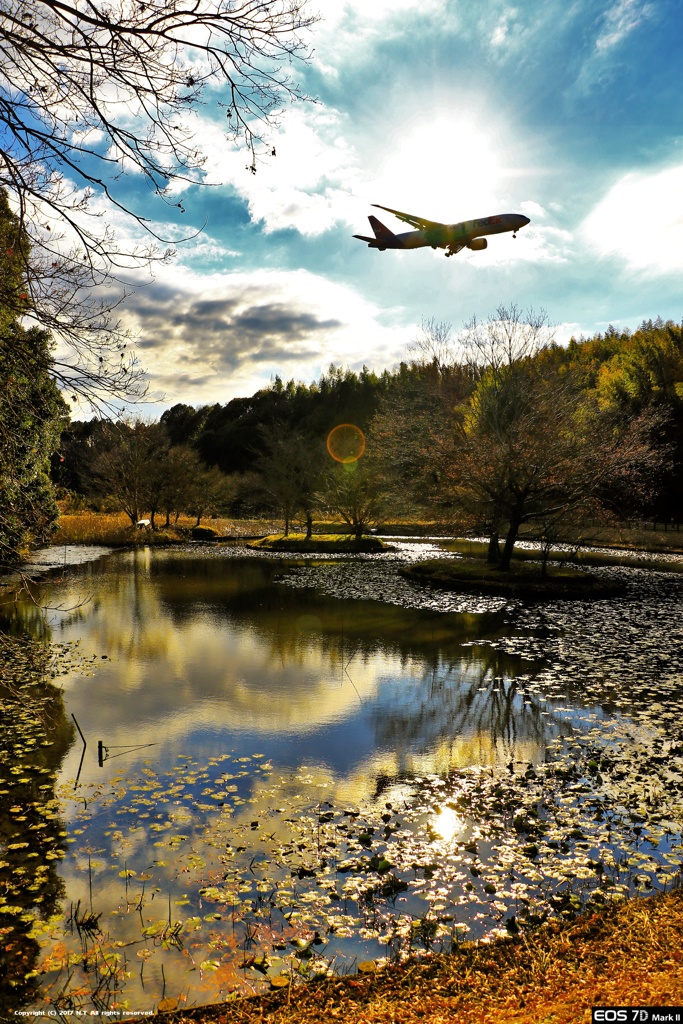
x=236 y=876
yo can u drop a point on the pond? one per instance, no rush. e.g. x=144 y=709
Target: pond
x=258 y=770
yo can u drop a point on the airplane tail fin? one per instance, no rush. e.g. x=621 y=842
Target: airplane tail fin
x=383 y=235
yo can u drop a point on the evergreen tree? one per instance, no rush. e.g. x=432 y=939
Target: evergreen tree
x=32 y=411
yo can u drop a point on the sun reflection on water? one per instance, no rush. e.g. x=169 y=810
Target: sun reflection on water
x=447 y=824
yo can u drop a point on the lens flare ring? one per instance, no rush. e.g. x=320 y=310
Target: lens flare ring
x=346 y=443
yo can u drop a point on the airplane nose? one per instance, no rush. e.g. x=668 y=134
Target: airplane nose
x=524 y=221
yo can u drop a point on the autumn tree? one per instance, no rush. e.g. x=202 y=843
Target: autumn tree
x=290 y=468
x=357 y=493
x=124 y=466
x=180 y=468
x=211 y=493
x=504 y=432
x=413 y=419
x=530 y=447
x=508 y=337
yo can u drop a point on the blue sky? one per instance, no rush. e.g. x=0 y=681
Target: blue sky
x=568 y=111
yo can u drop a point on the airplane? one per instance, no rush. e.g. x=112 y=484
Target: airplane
x=451 y=237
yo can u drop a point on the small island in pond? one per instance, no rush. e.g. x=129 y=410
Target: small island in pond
x=520 y=580
x=323 y=543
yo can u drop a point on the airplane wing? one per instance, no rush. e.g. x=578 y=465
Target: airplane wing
x=409 y=218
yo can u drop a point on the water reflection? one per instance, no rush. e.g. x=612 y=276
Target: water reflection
x=209 y=658
x=202 y=652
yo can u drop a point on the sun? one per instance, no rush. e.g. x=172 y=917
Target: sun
x=447 y=168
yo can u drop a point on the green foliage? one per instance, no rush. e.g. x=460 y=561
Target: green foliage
x=32 y=411
x=235 y=435
x=358 y=492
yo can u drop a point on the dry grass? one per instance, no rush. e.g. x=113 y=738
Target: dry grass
x=634 y=538
x=93 y=528
x=114 y=529
x=629 y=955
x=620 y=553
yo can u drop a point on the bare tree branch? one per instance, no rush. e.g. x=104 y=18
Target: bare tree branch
x=91 y=90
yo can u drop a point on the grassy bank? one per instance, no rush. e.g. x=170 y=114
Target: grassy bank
x=627 y=955
x=115 y=529
x=584 y=557
x=522 y=580
x=634 y=538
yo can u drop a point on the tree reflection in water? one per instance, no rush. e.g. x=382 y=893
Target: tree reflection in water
x=477 y=707
x=345 y=702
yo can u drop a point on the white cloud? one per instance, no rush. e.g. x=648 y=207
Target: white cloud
x=208 y=338
x=349 y=30
x=620 y=20
x=305 y=185
x=532 y=209
x=641 y=220
x=338 y=12
x=501 y=31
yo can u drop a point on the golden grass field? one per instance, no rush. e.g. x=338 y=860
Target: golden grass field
x=115 y=529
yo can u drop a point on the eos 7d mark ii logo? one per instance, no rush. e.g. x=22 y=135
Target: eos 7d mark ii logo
x=637 y=1014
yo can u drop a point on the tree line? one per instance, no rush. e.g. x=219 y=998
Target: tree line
x=493 y=430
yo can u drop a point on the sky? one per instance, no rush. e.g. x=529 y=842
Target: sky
x=568 y=111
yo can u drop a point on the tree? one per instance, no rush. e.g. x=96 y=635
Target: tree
x=32 y=413
x=509 y=336
x=530 y=447
x=513 y=435
x=434 y=345
x=407 y=432
x=31 y=417
x=179 y=470
x=291 y=468
x=358 y=493
x=124 y=466
x=211 y=493
x=88 y=91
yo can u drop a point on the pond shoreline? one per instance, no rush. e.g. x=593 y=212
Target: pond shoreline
x=626 y=955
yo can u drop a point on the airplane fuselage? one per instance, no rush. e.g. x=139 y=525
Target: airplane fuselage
x=444 y=236
x=451 y=237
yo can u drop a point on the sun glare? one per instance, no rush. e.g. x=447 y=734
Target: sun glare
x=446 y=823
x=445 y=169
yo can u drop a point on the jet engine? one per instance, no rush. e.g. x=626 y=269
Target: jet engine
x=477 y=243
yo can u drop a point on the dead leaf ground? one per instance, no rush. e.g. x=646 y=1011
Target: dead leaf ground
x=629 y=955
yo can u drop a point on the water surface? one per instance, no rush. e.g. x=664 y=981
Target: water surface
x=291 y=766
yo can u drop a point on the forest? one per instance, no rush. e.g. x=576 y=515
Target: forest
x=487 y=431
